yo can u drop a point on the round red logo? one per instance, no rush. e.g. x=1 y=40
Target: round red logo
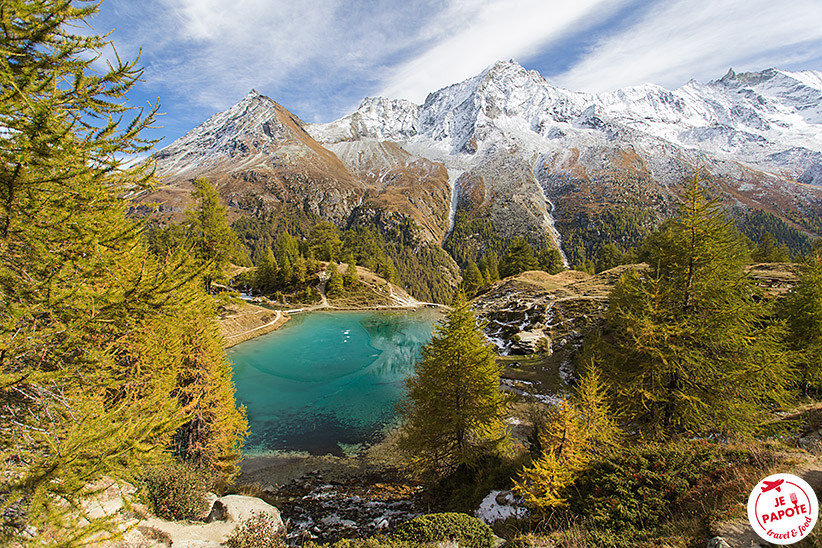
x=783 y=509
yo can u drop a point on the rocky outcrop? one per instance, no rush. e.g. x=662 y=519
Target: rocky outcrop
x=538 y=321
x=326 y=510
x=536 y=311
x=534 y=308
x=133 y=525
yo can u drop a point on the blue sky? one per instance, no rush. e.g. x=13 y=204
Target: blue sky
x=319 y=58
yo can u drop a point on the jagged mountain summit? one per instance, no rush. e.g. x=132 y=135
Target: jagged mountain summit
x=752 y=117
x=523 y=151
x=259 y=155
x=262 y=159
x=506 y=152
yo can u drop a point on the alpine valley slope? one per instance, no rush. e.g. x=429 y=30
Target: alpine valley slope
x=510 y=150
x=261 y=159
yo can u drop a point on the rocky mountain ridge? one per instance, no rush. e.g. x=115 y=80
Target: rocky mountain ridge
x=758 y=134
x=517 y=154
x=750 y=117
x=259 y=155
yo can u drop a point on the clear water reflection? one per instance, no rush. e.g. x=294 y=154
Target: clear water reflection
x=327 y=378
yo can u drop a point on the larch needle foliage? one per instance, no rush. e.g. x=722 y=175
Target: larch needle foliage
x=575 y=431
x=105 y=352
x=207 y=227
x=689 y=348
x=454 y=409
x=802 y=310
x=543 y=484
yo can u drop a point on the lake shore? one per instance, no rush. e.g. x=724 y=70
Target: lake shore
x=277 y=468
x=241 y=323
x=330 y=381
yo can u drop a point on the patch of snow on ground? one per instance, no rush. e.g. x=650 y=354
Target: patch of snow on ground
x=490 y=510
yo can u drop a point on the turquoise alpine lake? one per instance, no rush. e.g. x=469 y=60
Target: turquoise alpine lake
x=327 y=380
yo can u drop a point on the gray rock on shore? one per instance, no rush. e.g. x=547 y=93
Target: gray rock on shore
x=140 y=529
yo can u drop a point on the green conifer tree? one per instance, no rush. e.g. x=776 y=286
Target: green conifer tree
x=768 y=250
x=609 y=256
x=351 y=278
x=519 y=257
x=286 y=274
x=386 y=268
x=287 y=246
x=336 y=285
x=803 y=311
x=300 y=270
x=688 y=348
x=586 y=266
x=90 y=321
x=267 y=276
x=490 y=263
x=472 y=279
x=453 y=409
x=544 y=483
x=208 y=228
x=550 y=260
x=324 y=241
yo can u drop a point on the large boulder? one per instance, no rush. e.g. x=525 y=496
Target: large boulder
x=227 y=513
x=531 y=342
x=239 y=508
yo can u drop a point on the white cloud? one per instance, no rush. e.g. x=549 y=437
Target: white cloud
x=213 y=51
x=227 y=48
x=472 y=34
x=683 y=39
x=320 y=58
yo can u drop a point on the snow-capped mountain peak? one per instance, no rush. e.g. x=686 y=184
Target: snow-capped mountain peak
x=746 y=116
x=375 y=118
x=510 y=149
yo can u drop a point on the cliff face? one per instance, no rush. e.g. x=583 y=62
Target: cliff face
x=399 y=182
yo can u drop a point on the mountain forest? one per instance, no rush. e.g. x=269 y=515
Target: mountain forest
x=681 y=315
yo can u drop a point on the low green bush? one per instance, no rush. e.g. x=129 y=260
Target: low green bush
x=258 y=531
x=177 y=491
x=468 y=531
x=654 y=490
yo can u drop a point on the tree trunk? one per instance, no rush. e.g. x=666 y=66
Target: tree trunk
x=9 y=200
